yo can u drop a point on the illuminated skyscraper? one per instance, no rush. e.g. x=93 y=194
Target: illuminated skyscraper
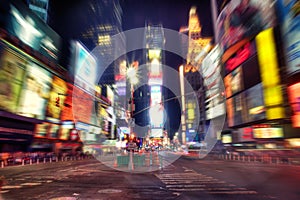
x=151 y=95
x=40 y=8
x=198 y=47
x=104 y=19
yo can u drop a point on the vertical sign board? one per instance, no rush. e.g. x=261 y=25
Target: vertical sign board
x=294 y=98
x=267 y=58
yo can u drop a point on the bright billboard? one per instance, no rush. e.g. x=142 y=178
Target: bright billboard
x=290 y=24
x=58 y=90
x=244 y=19
x=35 y=92
x=32 y=31
x=85 y=67
x=12 y=70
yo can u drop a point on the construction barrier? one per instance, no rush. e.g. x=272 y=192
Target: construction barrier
x=139 y=160
x=122 y=160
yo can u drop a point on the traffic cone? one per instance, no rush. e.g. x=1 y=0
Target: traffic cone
x=115 y=161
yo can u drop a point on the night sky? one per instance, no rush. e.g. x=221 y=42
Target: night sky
x=171 y=13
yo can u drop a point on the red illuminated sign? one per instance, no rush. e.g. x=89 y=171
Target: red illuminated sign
x=247 y=133
x=294 y=99
x=241 y=55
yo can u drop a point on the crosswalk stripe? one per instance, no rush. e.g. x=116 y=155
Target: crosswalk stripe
x=233 y=192
x=192 y=181
x=188 y=182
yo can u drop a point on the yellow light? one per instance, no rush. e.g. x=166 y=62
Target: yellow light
x=154 y=53
x=267 y=58
x=131 y=136
x=131 y=73
x=256 y=110
x=155 y=67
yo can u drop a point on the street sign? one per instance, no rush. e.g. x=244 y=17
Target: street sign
x=131 y=122
x=131 y=146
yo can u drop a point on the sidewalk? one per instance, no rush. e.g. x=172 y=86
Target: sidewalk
x=25 y=162
x=250 y=159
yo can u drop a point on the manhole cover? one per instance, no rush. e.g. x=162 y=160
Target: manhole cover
x=106 y=191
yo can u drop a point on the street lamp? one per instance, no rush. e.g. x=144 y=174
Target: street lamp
x=133 y=79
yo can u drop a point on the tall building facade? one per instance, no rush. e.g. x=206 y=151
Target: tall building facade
x=198 y=46
x=40 y=8
x=258 y=73
x=152 y=95
x=102 y=35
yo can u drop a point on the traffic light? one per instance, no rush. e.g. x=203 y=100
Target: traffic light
x=57 y=102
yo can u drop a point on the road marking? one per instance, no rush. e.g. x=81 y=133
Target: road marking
x=31 y=184
x=64 y=198
x=198 y=182
x=109 y=191
x=193 y=181
x=4 y=191
x=11 y=186
x=233 y=192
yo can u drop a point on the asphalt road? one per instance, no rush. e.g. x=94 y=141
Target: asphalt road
x=186 y=178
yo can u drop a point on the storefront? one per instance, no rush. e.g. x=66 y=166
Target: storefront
x=16 y=132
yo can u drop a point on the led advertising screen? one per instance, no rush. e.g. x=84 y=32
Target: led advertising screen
x=156 y=133
x=290 y=19
x=230 y=112
x=54 y=131
x=236 y=110
x=155 y=68
x=226 y=139
x=191 y=111
x=244 y=53
x=32 y=31
x=211 y=71
x=155 y=94
x=233 y=82
x=240 y=110
x=211 y=66
x=11 y=79
x=83 y=104
x=245 y=134
x=35 y=92
x=41 y=130
x=156 y=111
x=242 y=19
x=67 y=111
x=294 y=99
x=255 y=103
x=270 y=74
x=87 y=132
x=65 y=129
x=85 y=70
x=58 y=86
x=269 y=132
